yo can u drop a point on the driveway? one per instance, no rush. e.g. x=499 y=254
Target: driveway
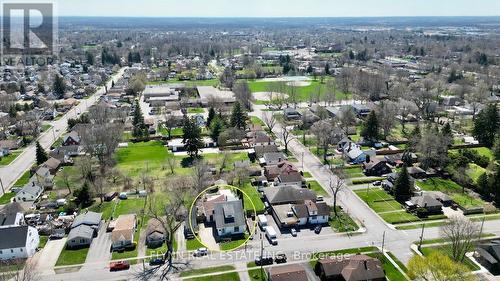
x=49 y=255
x=99 y=249
x=206 y=235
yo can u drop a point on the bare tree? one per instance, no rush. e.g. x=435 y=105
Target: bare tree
x=100 y=187
x=286 y=136
x=200 y=175
x=169 y=123
x=65 y=177
x=461 y=232
x=146 y=181
x=405 y=108
x=347 y=118
x=166 y=212
x=337 y=183
x=386 y=116
x=171 y=163
x=243 y=94
x=269 y=119
x=84 y=165
x=19 y=272
x=477 y=97
x=223 y=159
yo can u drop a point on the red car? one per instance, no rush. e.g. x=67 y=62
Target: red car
x=119 y=265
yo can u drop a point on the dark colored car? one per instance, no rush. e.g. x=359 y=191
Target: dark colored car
x=110 y=196
x=263 y=260
x=280 y=258
x=317 y=229
x=156 y=261
x=119 y=265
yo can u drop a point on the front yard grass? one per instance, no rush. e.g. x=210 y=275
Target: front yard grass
x=6 y=197
x=24 y=179
x=231 y=276
x=234 y=244
x=72 y=257
x=193 y=244
x=195 y=110
x=6 y=160
x=316 y=187
x=128 y=254
x=453 y=190
x=343 y=222
x=446 y=249
x=256 y=274
x=207 y=270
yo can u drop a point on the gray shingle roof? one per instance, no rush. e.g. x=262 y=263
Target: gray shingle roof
x=82 y=231
x=229 y=214
x=288 y=194
x=89 y=218
x=13 y=237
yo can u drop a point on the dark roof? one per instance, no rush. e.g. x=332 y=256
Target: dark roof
x=155 y=226
x=288 y=194
x=229 y=214
x=357 y=267
x=13 y=237
x=301 y=210
x=426 y=200
x=7 y=219
x=492 y=248
x=274 y=156
x=13 y=208
x=292 y=176
x=292 y=272
x=260 y=150
x=323 y=209
x=82 y=231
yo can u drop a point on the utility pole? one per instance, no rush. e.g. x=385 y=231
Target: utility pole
x=261 y=257
x=421 y=237
x=1 y=184
x=383 y=242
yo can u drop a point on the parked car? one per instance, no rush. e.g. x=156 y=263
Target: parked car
x=156 y=261
x=123 y=195
x=110 y=196
x=57 y=234
x=200 y=252
x=119 y=265
x=317 y=229
x=263 y=260
x=377 y=183
x=293 y=231
x=280 y=258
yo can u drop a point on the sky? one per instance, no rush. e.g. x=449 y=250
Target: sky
x=277 y=8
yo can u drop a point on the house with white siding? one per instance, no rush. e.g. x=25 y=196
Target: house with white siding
x=18 y=242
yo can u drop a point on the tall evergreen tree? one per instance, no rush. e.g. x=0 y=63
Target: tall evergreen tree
x=371 y=128
x=402 y=186
x=41 y=154
x=447 y=134
x=59 y=86
x=238 y=117
x=211 y=115
x=192 y=137
x=486 y=125
x=140 y=130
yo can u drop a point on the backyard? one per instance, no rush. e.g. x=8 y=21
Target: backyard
x=453 y=190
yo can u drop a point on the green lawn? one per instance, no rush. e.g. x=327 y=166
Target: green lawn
x=234 y=244
x=360 y=250
x=23 y=180
x=194 y=83
x=254 y=196
x=342 y=222
x=207 y=270
x=5 y=199
x=256 y=121
x=4 y=161
x=106 y=208
x=129 y=206
x=302 y=92
x=475 y=171
x=127 y=254
x=391 y=272
x=43 y=241
x=316 y=187
x=256 y=274
x=71 y=257
x=193 y=244
x=195 y=110
x=484 y=151
x=232 y=276
x=453 y=190
x=446 y=249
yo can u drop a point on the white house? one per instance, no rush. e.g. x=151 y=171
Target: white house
x=29 y=193
x=319 y=213
x=229 y=218
x=18 y=242
x=11 y=219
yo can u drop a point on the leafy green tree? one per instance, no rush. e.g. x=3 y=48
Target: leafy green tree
x=496 y=148
x=495 y=185
x=216 y=128
x=486 y=125
x=192 y=137
x=41 y=154
x=371 y=127
x=483 y=183
x=83 y=196
x=437 y=267
x=59 y=86
x=402 y=186
x=238 y=117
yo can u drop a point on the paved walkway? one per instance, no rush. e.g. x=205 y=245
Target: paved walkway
x=48 y=256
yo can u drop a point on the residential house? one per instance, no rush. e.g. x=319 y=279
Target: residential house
x=29 y=193
x=43 y=177
x=209 y=206
x=10 y=144
x=10 y=219
x=18 y=242
x=355 y=154
x=289 y=178
x=273 y=171
x=71 y=138
x=80 y=237
x=426 y=201
x=361 y=110
x=288 y=195
x=292 y=272
x=318 y=212
x=417 y=172
x=90 y=219
x=123 y=233
x=229 y=218
x=52 y=164
x=272 y=158
x=376 y=167
x=291 y=114
x=259 y=151
x=489 y=256
x=155 y=234
x=353 y=268
x=388 y=184
x=261 y=139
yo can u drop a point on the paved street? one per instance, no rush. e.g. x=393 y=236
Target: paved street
x=9 y=174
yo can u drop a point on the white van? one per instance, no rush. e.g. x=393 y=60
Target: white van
x=262 y=221
x=271 y=235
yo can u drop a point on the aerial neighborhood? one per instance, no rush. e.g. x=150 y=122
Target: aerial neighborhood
x=302 y=149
